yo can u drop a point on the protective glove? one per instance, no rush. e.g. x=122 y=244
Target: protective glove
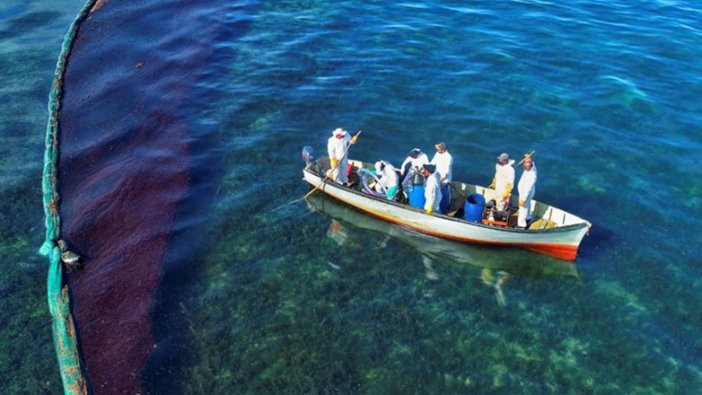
x=522 y=203
x=492 y=185
x=334 y=163
x=505 y=196
x=508 y=190
x=354 y=139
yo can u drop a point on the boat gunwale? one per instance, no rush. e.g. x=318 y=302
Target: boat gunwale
x=557 y=229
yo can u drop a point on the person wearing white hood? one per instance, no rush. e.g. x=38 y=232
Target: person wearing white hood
x=414 y=162
x=503 y=181
x=337 y=147
x=412 y=166
x=432 y=189
x=527 y=188
x=387 y=174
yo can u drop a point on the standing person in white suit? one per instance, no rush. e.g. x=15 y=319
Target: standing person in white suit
x=527 y=188
x=503 y=181
x=443 y=161
x=432 y=189
x=337 y=147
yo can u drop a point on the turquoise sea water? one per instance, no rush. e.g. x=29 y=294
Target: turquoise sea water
x=315 y=298
x=30 y=36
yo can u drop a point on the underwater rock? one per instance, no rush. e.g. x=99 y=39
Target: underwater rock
x=590 y=185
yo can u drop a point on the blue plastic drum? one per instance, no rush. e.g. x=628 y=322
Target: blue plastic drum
x=416 y=196
x=474 y=207
x=416 y=191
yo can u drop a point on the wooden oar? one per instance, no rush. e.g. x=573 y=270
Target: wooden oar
x=354 y=138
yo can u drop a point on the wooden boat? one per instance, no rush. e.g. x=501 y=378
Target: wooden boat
x=553 y=232
x=355 y=223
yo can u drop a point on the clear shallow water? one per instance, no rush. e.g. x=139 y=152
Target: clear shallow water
x=604 y=93
x=292 y=302
x=30 y=37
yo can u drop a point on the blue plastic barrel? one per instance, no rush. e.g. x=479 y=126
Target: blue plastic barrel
x=416 y=191
x=474 y=207
x=416 y=196
x=445 y=203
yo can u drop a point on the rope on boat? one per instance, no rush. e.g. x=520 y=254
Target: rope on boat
x=63 y=327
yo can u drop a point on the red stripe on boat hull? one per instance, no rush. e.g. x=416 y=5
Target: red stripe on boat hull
x=560 y=251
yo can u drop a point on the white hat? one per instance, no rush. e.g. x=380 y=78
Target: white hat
x=505 y=157
x=339 y=131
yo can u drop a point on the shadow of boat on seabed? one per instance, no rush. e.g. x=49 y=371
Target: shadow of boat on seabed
x=512 y=260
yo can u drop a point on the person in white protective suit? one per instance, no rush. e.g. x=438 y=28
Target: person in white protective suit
x=414 y=162
x=503 y=181
x=526 y=188
x=444 y=166
x=443 y=162
x=387 y=174
x=432 y=189
x=337 y=147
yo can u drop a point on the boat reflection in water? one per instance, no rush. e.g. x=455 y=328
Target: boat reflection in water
x=497 y=264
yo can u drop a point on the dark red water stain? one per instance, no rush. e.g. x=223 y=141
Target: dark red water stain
x=123 y=232
x=125 y=170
